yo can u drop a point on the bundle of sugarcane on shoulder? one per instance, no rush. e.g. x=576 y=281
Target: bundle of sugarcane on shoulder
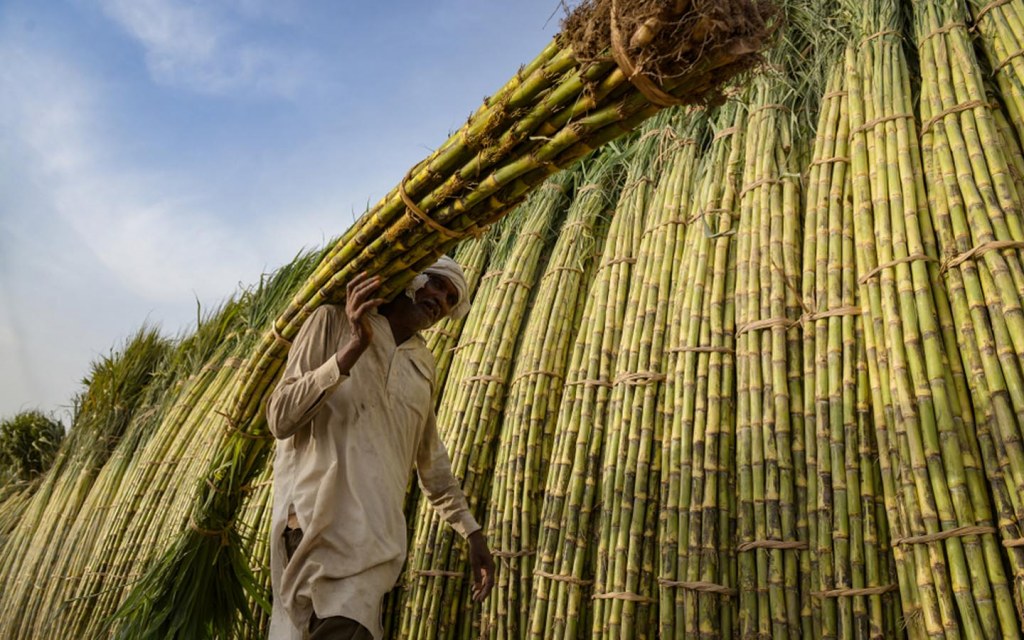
x=615 y=64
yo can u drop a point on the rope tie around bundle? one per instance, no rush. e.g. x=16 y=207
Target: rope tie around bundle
x=914 y=257
x=871 y=124
x=725 y=350
x=623 y=595
x=416 y=213
x=434 y=573
x=941 y=30
x=768 y=323
x=980 y=250
x=783 y=545
x=1005 y=62
x=703 y=587
x=589 y=382
x=537 y=372
x=964 y=106
x=639 y=378
x=852 y=593
x=558 y=577
x=514 y=554
x=280 y=339
x=483 y=378
x=833 y=159
x=833 y=313
x=728 y=131
x=958 y=532
x=880 y=34
x=984 y=11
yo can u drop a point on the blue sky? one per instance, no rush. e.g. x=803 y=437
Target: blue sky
x=158 y=152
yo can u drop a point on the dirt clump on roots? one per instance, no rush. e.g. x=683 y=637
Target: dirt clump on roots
x=686 y=49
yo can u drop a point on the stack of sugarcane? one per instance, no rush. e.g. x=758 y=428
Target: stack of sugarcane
x=979 y=224
x=469 y=416
x=29 y=442
x=849 y=584
x=139 y=496
x=33 y=558
x=534 y=395
x=697 y=577
x=1000 y=27
x=952 y=577
x=626 y=550
x=558 y=604
x=769 y=399
x=472 y=256
x=617 y=63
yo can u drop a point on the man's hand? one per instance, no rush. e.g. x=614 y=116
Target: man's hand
x=482 y=565
x=359 y=301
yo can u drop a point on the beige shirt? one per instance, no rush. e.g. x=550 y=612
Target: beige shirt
x=346 y=449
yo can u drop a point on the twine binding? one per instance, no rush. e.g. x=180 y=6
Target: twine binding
x=483 y=378
x=702 y=350
x=871 y=124
x=830 y=160
x=563 y=578
x=767 y=324
x=839 y=311
x=280 y=339
x=865 y=591
x=981 y=249
x=222 y=534
x=419 y=214
x=879 y=34
x=514 y=554
x=995 y=4
x=1006 y=61
x=784 y=545
x=946 y=29
x=430 y=573
x=958 y=532
x=589 y=382
x=705 y=587
x=537 y=372
x=892 y=263
x=728 y=131
x=622 y=595
x=964 y=106
x=758 y=183
x=1014 y=543
x=640 y=378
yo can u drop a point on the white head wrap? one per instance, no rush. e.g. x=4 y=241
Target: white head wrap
x=449 y=269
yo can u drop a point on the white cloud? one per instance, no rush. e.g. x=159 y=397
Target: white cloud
x=211 y=47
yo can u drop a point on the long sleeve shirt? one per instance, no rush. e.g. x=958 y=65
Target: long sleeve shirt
x=345 y=452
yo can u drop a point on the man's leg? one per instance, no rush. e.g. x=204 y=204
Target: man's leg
x=336 y=627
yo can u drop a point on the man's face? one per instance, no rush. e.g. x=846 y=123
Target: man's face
x=434 y=300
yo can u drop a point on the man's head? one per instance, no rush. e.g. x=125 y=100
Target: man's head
x=438 y=292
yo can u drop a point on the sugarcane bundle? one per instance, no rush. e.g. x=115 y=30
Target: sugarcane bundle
x=133 y=522
x=571 y=99
x=952 y=579
x=116 y=391
x=254 y=527
x=625 y=556
x=849 y=570
x=976 y=208
x=1000 y=28
x=534 y=394
x=769 y=404
x=29 y=442
x=469 y=419
x=472 y=256
x=559 y=602
x=697 y=519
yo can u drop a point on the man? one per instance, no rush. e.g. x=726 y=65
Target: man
x=353 y=413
